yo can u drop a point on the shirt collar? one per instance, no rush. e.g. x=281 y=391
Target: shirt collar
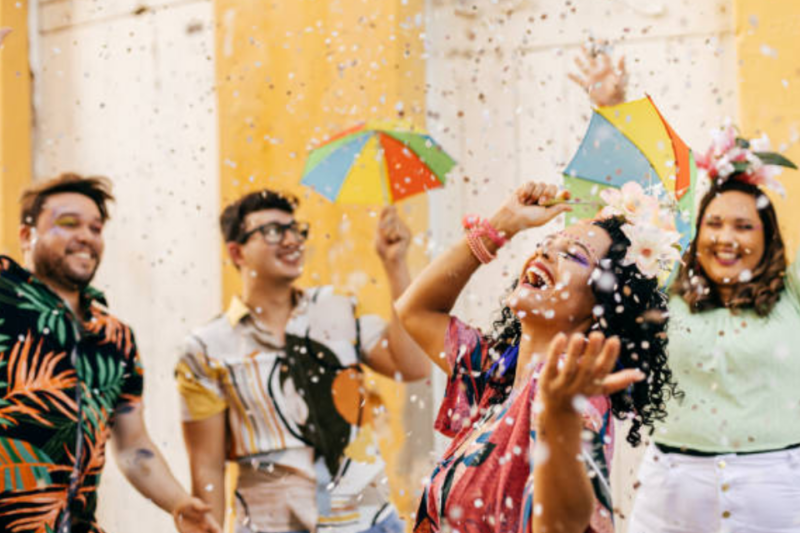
x=238 y=310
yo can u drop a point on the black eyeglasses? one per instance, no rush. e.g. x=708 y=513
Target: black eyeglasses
x=274 y=232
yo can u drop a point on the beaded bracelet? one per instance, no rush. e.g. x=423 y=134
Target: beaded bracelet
x=476 y=228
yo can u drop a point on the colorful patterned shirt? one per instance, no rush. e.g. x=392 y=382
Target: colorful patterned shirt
x=54 y=390
x=484 y=481
x=299 y=422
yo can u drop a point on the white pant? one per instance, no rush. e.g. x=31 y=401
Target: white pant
x=756 y=493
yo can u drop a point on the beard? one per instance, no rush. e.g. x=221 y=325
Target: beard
x=56 y=268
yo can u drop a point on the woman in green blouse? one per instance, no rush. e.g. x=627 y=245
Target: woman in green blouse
x=727 y=457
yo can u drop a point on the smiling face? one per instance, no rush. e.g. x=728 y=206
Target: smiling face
x=730 y=240
x=281 y=262
x=554 y=285
x=66 y=244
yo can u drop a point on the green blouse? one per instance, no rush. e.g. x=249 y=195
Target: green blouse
x=740 y=374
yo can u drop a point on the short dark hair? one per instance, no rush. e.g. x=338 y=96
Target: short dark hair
x=231 y=222
x=764 y=290
x=97 y=188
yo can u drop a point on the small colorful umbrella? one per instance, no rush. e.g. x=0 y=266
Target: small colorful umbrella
x=376 y=163
x=633 y=142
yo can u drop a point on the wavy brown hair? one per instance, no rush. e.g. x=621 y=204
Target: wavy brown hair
x=763 y=291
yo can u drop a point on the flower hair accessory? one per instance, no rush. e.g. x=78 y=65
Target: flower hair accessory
x=731 y=156
x=650 y=228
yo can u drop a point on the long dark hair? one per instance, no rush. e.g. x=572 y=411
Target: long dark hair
x=762 y=292
x=633 y=309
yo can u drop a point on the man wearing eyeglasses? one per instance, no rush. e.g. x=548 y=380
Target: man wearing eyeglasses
x=275 y=384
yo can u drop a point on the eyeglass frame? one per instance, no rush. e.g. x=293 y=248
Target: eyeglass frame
x=299 y=229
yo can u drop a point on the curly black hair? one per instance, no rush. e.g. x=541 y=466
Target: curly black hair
x=633 y=309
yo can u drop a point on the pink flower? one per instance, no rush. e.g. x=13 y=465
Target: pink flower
x=764 y=176
x=723 y=139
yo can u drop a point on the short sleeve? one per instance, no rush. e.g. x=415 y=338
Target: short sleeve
x=598 y=446
x=466 y=352
x=371 y=329
x=199 y=383
x=133 y=375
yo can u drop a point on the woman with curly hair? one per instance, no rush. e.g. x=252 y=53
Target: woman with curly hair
x=530 y=406
x=727 y=457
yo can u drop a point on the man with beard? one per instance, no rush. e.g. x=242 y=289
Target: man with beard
x=70 y=375
x=275 y=384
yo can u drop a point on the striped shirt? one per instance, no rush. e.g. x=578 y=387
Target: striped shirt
x=298 y=417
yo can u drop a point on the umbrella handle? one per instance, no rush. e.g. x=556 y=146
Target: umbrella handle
x=557 y=201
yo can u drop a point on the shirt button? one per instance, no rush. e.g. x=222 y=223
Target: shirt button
x=726 y=514
x=725 y=487
x=721 y=464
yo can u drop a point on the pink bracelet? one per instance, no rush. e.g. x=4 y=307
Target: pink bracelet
x=488 y=230
x=476 y=229
x=477 y=247
x=484 y=229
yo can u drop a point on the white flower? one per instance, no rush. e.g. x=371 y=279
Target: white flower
x=630 y=202
x=651 y=248
x=761 y=144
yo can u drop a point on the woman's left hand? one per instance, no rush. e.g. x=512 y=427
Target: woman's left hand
x=603 y=82
x=586 y=371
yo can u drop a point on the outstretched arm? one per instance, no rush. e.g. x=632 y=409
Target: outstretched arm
x=604 y=82
x=562 y=491
x=145 y=468
x=424 y=308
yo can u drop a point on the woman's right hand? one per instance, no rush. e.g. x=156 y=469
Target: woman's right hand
x=3 y=32
x=530 y=206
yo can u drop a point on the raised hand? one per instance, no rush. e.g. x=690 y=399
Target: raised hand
x=393 y=237
x=531 y=205
x=586 y=371
x=194 y=516
x=604 y=83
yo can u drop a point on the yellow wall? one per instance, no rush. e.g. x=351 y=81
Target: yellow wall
x=15 y=121
x=768 y=46
x=291 y=72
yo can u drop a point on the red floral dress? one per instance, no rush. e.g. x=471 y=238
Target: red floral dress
x=484 y=481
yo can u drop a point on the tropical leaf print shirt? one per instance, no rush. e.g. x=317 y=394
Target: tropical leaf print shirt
x=299 y=421
x=484 y=481
x=40 y=416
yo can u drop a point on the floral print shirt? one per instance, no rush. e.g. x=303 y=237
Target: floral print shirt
x=53 y=389
x=484 y=481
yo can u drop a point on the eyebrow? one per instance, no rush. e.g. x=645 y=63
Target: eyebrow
x=58 y=216
x=737 y=219
x=577 y=241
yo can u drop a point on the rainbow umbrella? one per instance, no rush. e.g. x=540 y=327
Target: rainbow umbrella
x=633 y=142
x=376 y=163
